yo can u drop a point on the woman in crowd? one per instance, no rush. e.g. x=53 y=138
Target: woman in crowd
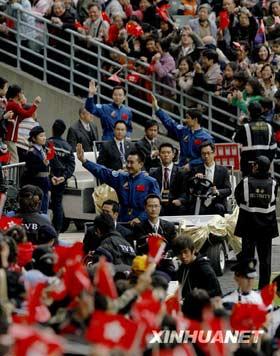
x=37 y=165
x=253 y=92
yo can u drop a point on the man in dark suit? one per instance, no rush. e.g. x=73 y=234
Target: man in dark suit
x=83 y=131
x=113 y=153
x=218 y=175
x=111 y=208
x=170 y=180
x=148 y=145
x=153 y=224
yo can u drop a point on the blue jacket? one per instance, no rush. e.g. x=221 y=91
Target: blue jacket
x=131 y=191
x=109 y=114
x=189 y=141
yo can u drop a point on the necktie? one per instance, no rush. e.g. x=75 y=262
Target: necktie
x=155 y=229
x=166 y=178
x=122 y=152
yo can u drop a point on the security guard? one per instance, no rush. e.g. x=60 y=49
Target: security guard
x=244 y=275
x=37 y=169
x=256 y=138
x=190 y=137
x=257 y=224
x=62 y=168
x=109 y=114
x=132 y=186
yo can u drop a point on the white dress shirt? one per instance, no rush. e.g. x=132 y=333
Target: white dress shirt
x=85 y=125
x=170 y=167
x=209 y=172
x=155 y=226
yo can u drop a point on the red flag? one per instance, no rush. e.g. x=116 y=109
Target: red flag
x=105 y=17
x=133 y=77
x=103 y=280
x=162 y=11
x=173 y=303
x=268 y=294
x=156 y=245
x=134 y=29
x=5 y=158
x=224 y=19
x=112 y=330
x=247 y=316
x=181 y=350
x=37 y=312
x=146 y=312
x=25 y=251
x=76 y=279
x=7 y=222
x=51 y=151
x=65 y=253
x=30 y=341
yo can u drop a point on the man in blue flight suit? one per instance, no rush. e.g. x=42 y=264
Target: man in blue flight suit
x=190 y=138
x=132 y=187
x=109 y=113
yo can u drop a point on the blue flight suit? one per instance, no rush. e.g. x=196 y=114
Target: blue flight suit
x=109 y=114
x=131 y=191
x=189 y=140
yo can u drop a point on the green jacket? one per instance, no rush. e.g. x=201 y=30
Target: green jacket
x=243 y=103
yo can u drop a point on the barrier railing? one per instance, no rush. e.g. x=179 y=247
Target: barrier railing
x=67 y=60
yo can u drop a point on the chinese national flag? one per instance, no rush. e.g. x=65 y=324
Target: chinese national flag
x=112 y=330
x=103 y=280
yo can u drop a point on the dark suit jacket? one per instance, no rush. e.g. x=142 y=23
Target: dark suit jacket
x=166 y=229
x=109 y=155
x=176 y=185
x=144 y=146
x=78 y=134
x=221 y=181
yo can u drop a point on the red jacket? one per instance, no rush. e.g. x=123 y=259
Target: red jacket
x=19 y=115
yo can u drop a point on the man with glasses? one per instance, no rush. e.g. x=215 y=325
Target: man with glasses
x=153 y=224
x=218 y=175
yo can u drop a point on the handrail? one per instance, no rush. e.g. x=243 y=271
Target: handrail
x=76 y=78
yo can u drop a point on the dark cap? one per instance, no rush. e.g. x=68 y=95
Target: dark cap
x=46 y=233
x=35 y=131
x=263 y=163
x=246 y=268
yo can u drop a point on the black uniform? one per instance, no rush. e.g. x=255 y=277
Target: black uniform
x=257 y=140
x=62 y=165
x=257 y=224
x=121 y=251
x=198 y=274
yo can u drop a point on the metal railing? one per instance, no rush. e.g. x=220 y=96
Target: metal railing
x=67 y=60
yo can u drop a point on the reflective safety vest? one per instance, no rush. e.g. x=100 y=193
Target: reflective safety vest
x=259 y=137
x=259 y=195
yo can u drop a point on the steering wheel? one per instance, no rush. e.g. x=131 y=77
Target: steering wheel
x=200 y=187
